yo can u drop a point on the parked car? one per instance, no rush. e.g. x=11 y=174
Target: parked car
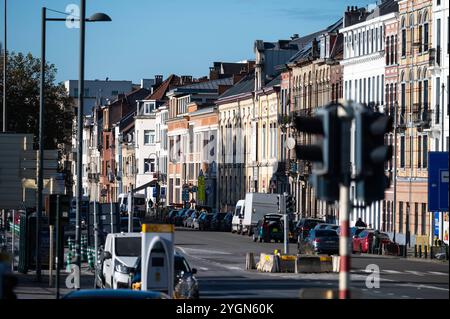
x=304 y=225
x=118 y=259
x=189 y=221
x=170 y=218
x=326 y=226
x=323 y=241
x=185 y=286
x=362 y=243
x=182 y=214
x=216 y=220
x=137 y=226
x=203 y=222
x=269 y=228
x=226 y=222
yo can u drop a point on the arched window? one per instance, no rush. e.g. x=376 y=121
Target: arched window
x=419 y=22
x=425 y=32
x=403 y=97
x=403 y=25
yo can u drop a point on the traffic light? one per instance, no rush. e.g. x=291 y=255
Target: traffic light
x=371 y=154
x=290 y=204
x=326 y=154
x=279 y=203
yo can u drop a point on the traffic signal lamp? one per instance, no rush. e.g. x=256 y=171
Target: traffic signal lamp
x=326 y=154
x=371 y=154
x=290 y=204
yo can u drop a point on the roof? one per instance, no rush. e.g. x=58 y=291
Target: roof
x=207 y=85
x=161 y=91
x=245 y=85
x=274 y=82
x=386 y=6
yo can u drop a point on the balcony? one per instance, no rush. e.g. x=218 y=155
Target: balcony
x=422 y=118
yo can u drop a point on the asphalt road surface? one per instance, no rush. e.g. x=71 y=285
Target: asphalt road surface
x=220 y=261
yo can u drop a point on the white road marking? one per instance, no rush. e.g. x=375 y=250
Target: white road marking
x=417 y=273
x=391 y=271
x=204 y=268
x=438 y=273
x=197 y=251
x=423 y=286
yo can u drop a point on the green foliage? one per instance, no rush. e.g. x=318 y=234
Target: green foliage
x=22 y=100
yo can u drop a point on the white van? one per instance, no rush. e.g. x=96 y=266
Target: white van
x=238 y=216
x=120 y=258
x=256 y=206
x=139 y=203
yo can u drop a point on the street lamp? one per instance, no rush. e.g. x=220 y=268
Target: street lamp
x=98 y=17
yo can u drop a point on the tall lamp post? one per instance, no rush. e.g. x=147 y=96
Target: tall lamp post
x=98 y=17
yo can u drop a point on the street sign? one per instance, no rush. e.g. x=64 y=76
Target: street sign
x=163 y=192
x=438 y=182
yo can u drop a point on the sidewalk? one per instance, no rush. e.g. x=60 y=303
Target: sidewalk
x=28 y=288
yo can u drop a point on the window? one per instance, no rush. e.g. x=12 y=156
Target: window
x=424 y=219
x=403 y=103
x=438 y=100
x=149 y=137
x=438 y=42
x=425 y=151
x=149 y=165
x=400 y=217
x=149 y=107
x=402 y=151
x=403 y=43
x=419 y=151
x=114 y=93
x=425 y=33
x=416 y=218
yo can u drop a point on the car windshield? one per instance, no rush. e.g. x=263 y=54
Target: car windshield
x=181 y=265
x=326 y=233
x=312 y=223
x=128 y=246
x=139 y=201
x=237 y=211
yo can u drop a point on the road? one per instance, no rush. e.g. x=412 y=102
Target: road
x=220 y=261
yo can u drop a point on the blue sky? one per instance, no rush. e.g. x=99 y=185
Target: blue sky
x=148 y=37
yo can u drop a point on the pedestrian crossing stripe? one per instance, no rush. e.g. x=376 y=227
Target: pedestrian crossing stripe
x=405 y=272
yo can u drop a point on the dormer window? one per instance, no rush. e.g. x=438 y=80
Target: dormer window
x=149 y=107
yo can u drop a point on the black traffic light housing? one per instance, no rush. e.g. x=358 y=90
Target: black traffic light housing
x=371 y=154
x=326 y=154
x=290 y=204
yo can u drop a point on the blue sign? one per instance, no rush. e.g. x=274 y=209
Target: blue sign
x=438 y=182
x=163 y=192
x=155 y=192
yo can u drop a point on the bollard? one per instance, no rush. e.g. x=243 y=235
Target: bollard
x=415 y=251
x=250 y=261
x=420 y=251
x=68 y=261
x=426 y=251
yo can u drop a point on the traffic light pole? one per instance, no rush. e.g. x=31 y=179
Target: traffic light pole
x=286 y=223
x=346 y=115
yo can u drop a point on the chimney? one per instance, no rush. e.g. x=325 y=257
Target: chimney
x=295 y=36
x=186 y=79
x=158 y=79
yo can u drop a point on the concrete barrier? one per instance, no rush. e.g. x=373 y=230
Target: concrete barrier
x=268 y=263
x=307 y=264
x=287 y=263
x=250 y=261
x=313 y=264
x=326 y=264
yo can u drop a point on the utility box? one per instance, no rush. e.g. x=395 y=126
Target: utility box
x=157 y=261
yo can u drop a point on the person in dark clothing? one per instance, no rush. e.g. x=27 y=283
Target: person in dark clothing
x=360 y=223
x=376 y=242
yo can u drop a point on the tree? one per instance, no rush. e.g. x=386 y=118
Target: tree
x=22 y=101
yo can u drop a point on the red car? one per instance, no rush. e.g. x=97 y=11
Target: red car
x=363 y=242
